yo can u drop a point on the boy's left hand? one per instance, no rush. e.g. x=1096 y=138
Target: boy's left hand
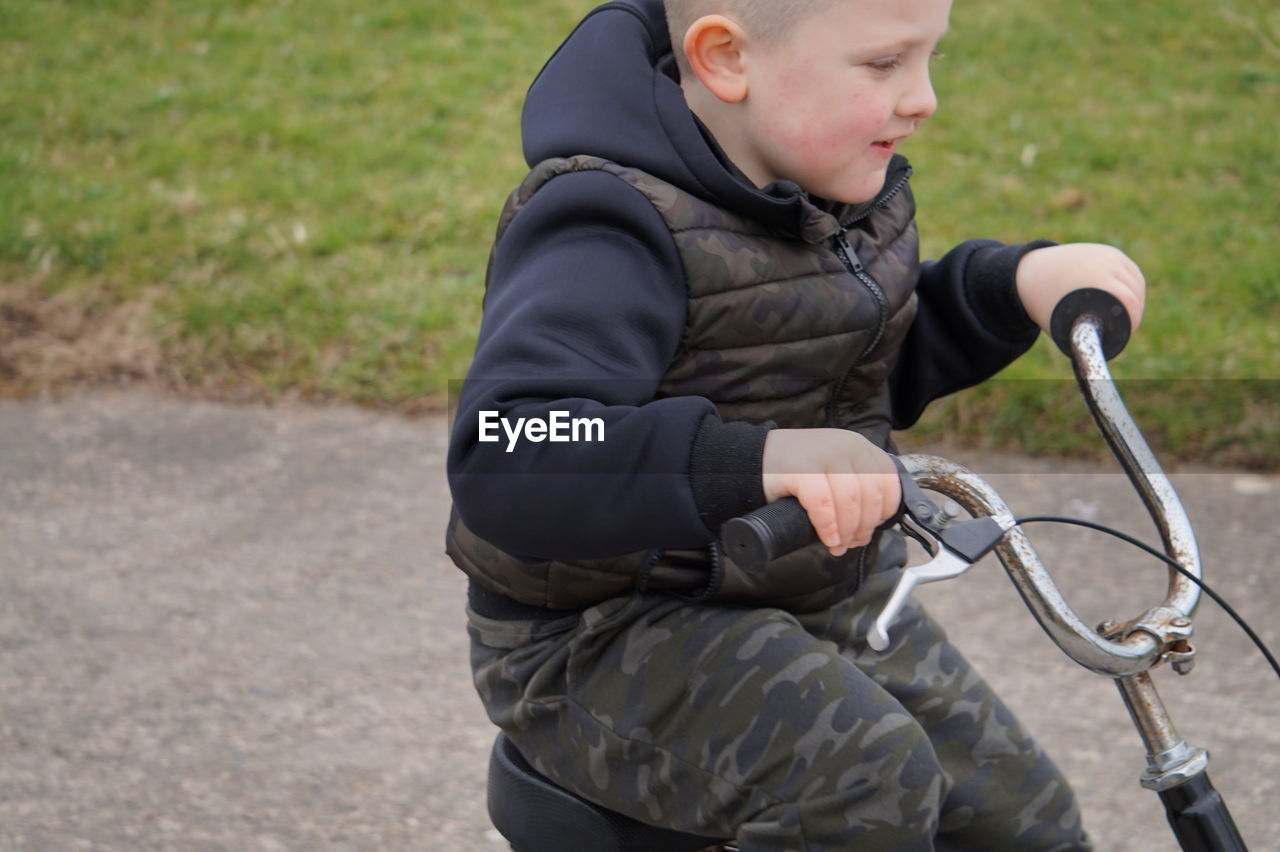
x=1047 y=274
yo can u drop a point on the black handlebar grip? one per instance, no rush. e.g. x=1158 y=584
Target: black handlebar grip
x=1108 y=310
x=757 y=538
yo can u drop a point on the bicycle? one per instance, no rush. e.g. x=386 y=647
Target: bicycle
x=1091 y=327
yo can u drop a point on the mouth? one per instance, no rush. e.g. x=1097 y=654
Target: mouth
x=884 y=148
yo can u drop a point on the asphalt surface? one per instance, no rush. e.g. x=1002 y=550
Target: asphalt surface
x=234 y=628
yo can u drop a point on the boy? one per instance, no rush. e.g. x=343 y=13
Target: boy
x=713 y=270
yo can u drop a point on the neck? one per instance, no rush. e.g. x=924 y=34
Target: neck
x=721 y=121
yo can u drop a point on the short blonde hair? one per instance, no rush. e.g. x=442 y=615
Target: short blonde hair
x=766 y=19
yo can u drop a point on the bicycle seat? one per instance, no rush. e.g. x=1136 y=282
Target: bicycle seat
x=535 y=815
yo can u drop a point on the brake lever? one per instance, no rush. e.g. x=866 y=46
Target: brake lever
x=954 y=546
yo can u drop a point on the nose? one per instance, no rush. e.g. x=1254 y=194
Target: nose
x=919 y=101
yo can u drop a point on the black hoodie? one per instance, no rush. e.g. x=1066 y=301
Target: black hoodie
x=585 y=307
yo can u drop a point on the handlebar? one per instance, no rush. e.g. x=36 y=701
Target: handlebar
x=1170 y=621
x=774 y=530
x=1107 y=312
x=1091 y=326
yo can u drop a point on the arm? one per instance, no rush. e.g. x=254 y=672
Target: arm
x=969 y=325
x=983 y=304
x=585 y=308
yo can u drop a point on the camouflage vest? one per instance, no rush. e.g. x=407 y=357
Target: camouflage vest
x=802 y=332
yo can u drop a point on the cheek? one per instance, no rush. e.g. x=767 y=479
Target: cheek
x=837 y=130
x=805 y=119
x=860 y=117
x=819 y=121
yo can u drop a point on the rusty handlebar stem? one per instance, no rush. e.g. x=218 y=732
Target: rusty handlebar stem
x=1140 y=643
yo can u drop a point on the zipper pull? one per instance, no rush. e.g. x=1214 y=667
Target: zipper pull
x=850 y=256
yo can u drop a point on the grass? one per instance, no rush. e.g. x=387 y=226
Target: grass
x=1150 y=132
x=287 y=199
x=302 y=192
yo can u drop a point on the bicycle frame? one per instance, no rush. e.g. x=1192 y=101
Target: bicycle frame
x=1127 y=652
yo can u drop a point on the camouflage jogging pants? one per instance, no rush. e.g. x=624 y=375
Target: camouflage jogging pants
x=785 y=731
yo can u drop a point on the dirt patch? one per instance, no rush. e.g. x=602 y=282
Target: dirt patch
x=53 y=342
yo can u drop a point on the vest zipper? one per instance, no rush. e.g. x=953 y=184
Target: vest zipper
x=717 y=574
x=881 y=200
x=642 y=576
x=850 y=259
x=862 y=565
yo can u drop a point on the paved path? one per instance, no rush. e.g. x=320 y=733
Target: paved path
x=233 y=628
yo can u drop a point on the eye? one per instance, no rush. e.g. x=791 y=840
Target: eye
x=888 y=63
x=937 y=54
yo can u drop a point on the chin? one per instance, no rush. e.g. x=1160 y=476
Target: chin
x=851 y=192
x=860 y=197
x=852 y=197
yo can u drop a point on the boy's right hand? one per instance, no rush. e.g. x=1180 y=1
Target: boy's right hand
x=847 y=484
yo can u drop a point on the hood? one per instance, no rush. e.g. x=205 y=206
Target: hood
x=612 y=91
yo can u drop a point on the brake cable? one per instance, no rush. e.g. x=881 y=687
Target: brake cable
x=1141 y=545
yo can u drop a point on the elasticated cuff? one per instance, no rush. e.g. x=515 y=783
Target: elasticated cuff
x=991 y=281
x=724 y=469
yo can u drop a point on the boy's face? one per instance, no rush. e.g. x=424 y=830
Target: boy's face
x=828 y=104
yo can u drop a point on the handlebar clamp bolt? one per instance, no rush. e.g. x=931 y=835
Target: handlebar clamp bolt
x=1181 y=656
x=947 y=513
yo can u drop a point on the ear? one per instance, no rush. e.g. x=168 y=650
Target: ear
x=714 y=46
